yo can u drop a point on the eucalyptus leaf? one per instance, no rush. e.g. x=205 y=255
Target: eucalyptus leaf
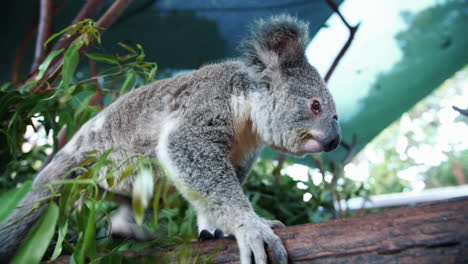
x=54 y=36
x=63 y=219
x=129 y=82
x=86 y=242
x=11 y=199
x=127 y=47
x=5 y=86
x=70 y=63
x=45 y=65
x=37 y=241
x=106 y=58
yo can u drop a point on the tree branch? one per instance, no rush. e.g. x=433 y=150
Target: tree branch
x=428 y=233
x=352 y=32
x=45 y=28
x=136 y=11
x=113 y=13
x=96 y=100
x=105 y=22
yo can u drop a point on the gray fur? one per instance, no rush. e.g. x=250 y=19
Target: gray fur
x=207 y=128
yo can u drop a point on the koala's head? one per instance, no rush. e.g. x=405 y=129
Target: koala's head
x=292 y=109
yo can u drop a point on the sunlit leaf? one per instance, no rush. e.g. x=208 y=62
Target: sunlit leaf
x=142 y=193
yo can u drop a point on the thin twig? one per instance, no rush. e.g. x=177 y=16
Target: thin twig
x=46 y=24
x=461 y=111
x=277 y=170
x=94 y=72
x=96 y=100
x=350 y=150
x=352 y=32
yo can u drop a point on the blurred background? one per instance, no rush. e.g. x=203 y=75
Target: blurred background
x=395 y=68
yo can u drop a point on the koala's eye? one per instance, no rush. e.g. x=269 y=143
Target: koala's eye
x=315 y=107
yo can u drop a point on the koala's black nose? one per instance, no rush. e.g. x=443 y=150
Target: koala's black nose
x=334 y=137
x=332 y=144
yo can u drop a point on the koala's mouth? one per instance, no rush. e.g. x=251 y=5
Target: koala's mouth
x=309 y=144
x=305 y=135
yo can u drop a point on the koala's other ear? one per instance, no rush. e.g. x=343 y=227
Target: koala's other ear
x=278 y=40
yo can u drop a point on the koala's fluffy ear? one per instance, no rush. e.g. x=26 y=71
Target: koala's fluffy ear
x=278 y=40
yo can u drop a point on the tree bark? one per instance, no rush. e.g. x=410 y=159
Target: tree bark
x=434 y=232
x=428 y=233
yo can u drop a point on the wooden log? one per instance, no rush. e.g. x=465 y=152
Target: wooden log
x=434 y=232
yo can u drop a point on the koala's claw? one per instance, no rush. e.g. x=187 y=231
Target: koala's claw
x=207 y=235
x=274 y=223
x=252 y=239
x=218 y=233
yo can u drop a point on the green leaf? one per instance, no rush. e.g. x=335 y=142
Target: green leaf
x=172 y=228
x=106 y=58
x=152 y=73
x=45 y=65
x=37 y=241
x=63 y=228
x=54 y=36
x=127 y=47
x=87 y=241
x=70 y=63
x=113 y=258
x=156 y=201
x=63 y=219
x=10 y=200
x=128 y=82
x=5 y=86
x=128 y=171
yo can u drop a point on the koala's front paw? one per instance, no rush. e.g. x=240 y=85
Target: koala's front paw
x=251 y=238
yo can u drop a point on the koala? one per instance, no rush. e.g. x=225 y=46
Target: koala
x=207 y=128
